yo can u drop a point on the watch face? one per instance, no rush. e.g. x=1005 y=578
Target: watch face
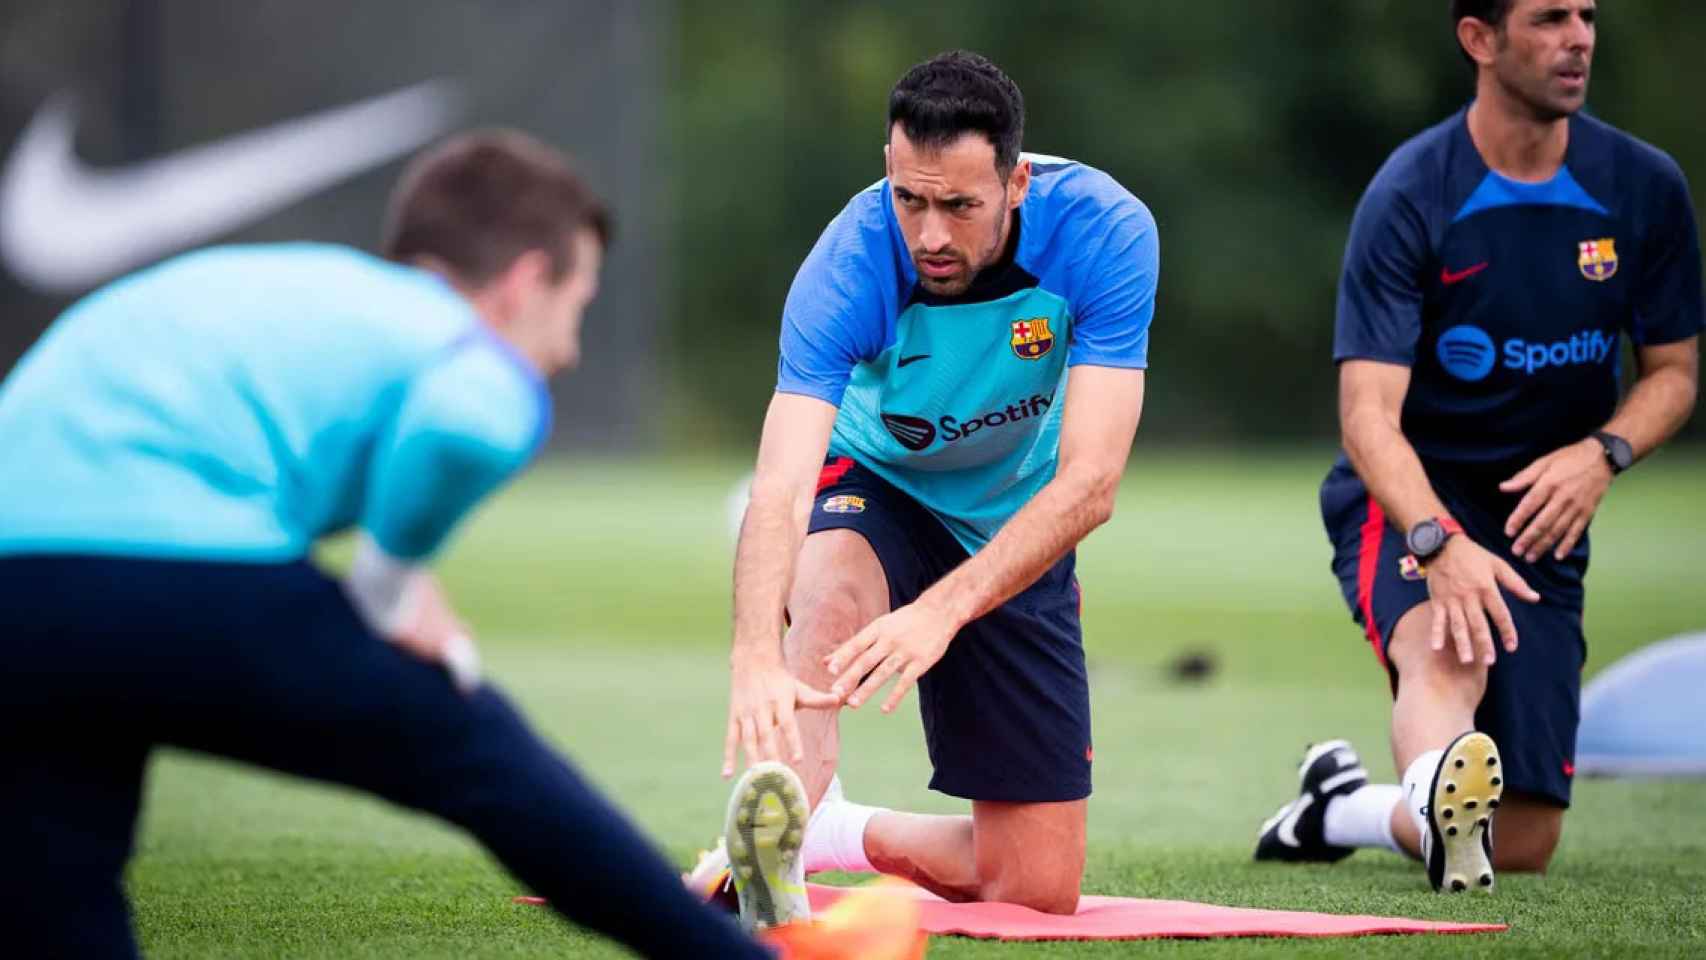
x=1621 y=453
x=1618 y=452
x=1426 y=538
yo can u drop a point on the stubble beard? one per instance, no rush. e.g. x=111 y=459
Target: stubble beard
x=961 y=283
x=1537 y=101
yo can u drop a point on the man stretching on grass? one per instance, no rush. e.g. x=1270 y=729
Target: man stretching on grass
x=1494 y=266
x=173 y=448
x=966 y=342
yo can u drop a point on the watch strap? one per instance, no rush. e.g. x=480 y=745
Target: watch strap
x=1610 y=443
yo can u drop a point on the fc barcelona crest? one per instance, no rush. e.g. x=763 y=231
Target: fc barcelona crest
x=1032 y=338
x=1598 y=259
x=1410 y=568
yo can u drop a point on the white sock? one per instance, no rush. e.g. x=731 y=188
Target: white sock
x=1363 y=817
x=835 y=834
x=1418 y=787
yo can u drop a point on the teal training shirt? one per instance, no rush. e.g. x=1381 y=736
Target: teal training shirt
x=239 y=403
x=957 y=401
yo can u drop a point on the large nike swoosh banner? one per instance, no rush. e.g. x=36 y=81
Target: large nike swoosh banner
x=65 y=226
x=133 y=132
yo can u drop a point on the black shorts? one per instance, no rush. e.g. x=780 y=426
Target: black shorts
x=1007 y=709
x=1532 y=706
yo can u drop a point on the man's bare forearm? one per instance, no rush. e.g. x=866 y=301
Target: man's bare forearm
x=1389 y=467
x=1657 y=407
x=770 y=538
x=1062 y=513
x=790 y=454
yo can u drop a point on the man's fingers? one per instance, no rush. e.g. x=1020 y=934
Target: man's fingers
x=1436 y=629
x=1502 y=619
x=874 y=682
x=767 y=735
x=1578 y=527
x=864 y=664
x=1523 y=478
x=845 y=654
x=1526 y=508
x=731 y=743
x=1556 y=526
x=791 y=736
x=1543 y=530
x=812 y=698
x=1460 y=632
x=1533 y=530
x=1513 y=581
x=1479 y=630
x=908 y=677
x=749 y=739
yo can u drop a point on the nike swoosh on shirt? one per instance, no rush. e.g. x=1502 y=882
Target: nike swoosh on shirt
x=912 y=359
x=1449 y=277
x=65 y=226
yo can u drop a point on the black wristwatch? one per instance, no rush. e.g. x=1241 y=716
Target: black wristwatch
x=1618 y=454
x=1427 y=538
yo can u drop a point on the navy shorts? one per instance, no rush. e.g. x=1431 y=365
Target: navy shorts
x=1532 y=706
x=108 y=657
x=1007 y=709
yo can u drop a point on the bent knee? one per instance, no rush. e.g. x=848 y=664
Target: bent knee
x=824 y=624
x=1526 y=835
x=1524 y=854
x=1535 y=861
x=1453 y=684
x=1044 y=894
x=1439 y=673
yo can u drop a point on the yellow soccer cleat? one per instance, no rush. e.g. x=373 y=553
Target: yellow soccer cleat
x=766 y=827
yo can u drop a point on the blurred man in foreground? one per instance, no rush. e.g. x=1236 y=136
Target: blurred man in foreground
x=172 y=449
x=1494 y=266
x=966 y=342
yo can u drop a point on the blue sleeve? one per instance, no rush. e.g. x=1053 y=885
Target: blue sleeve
x=1111 y=328
x=466 y=424
x=1668 y=296
x=1380 y=287
x=836 y=314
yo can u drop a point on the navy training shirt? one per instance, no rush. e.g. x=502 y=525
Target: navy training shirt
x=1506 y=299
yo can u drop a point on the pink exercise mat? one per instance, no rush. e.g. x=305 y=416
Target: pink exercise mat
x=1125 y=918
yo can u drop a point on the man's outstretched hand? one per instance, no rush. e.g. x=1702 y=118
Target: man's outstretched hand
x=903 y=644
x=763 y=696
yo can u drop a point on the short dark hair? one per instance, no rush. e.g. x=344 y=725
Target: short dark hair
x=1491 y=12
x=957 y=92
x=480 y=200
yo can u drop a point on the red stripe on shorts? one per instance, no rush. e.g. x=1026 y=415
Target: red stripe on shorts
x=1368 y=564
x=833 y=472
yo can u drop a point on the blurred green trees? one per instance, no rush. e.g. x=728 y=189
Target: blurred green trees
x=1250 y=127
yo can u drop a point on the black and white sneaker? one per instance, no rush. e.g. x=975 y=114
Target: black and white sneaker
x=1458 y=844
x=1298 y=832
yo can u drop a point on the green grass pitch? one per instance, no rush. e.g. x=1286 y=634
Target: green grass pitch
x=600 y=594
